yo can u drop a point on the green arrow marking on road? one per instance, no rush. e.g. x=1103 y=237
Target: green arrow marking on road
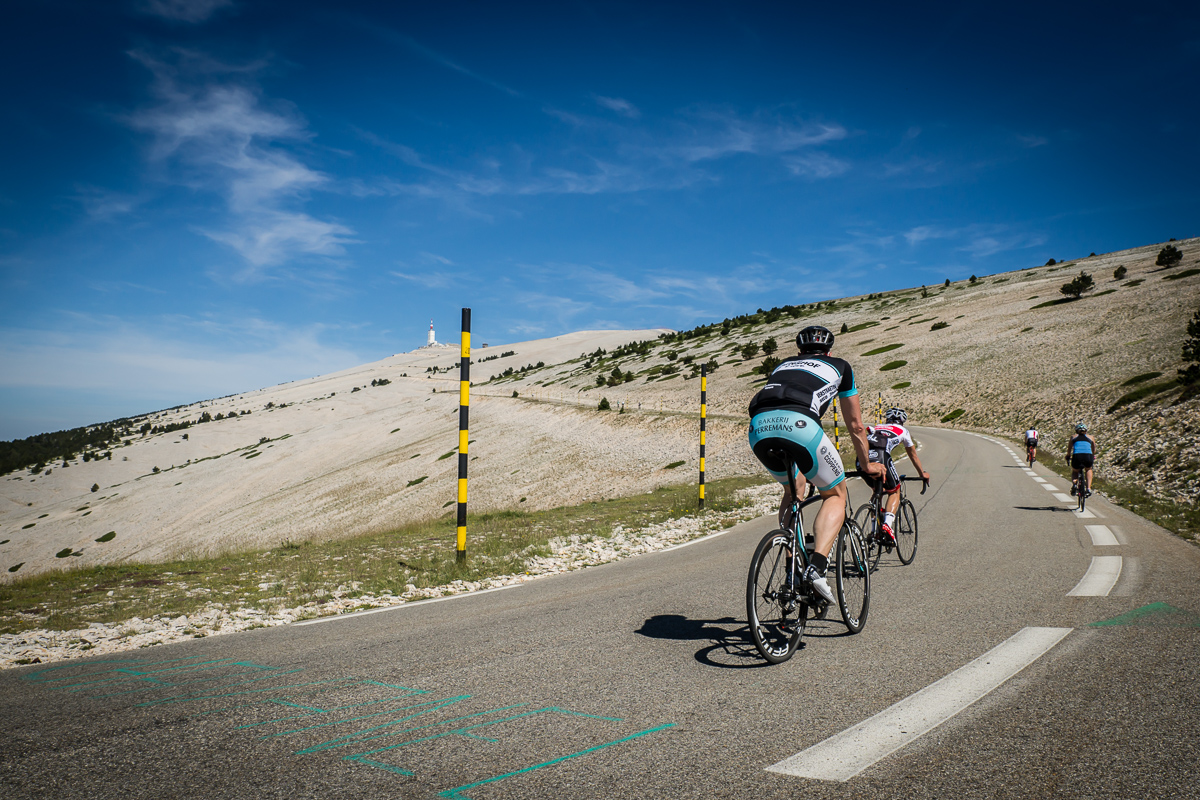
x=1155 y=614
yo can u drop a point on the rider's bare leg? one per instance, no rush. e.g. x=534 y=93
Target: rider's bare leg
x=830 y=517
x=892 y=503
x=785 y=505
x=1089 y=479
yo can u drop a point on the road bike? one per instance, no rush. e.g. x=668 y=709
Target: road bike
x=869 y=519
x=779 y=600
x=1029 y=456
x=1079 y=489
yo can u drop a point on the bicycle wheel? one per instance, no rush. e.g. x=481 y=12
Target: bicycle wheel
x=868 y=523
x=776 y=615
x=906 y=532
x=853 y=577
x=1081 y=492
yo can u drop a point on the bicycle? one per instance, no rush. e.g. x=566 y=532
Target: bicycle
x=778 y=600
x=1029 y=456
x=1079 y=489
x=869 y=519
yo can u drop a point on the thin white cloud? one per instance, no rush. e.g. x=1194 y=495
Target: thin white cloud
x=922 y=232
x=1032 y=141
x=184 y=10
x=430 y=280
x=213 y=131
x=103 y=205
x=619 y=105
x=816 y=164
x=181 y=357
x=437 y=58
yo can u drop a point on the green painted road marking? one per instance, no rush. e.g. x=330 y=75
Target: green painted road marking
x=180 y=699
x=353 y=738
x=457 y=792
x=1155 y=614
x=351 y=719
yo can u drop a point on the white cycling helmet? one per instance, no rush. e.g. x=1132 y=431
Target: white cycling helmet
x=896 y=416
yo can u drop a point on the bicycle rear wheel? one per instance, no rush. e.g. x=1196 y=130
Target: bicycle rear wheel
x=1081 y=492
x=868 y=523
x=777 y=614
x=906 y=532
x=853 y=577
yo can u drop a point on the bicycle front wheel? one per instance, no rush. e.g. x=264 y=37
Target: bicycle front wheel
x=853 y=577
x=776 y=612
x=906 y=532
x=867 y=522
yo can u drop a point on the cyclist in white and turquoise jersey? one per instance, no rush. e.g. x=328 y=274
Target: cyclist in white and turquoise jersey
x=1081 y=455
x=785 y=416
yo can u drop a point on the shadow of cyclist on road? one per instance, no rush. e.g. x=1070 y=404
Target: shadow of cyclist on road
x=728 y=643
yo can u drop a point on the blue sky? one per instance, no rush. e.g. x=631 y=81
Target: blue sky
x=201 y=197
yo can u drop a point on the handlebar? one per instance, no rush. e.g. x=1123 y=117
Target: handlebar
x=925 y=483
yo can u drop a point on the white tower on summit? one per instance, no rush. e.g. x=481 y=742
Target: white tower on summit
x=432 y=340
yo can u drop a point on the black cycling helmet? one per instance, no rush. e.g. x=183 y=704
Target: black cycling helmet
x=814 y=339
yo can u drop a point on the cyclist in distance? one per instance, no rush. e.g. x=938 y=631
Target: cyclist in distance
x=1081 y=454
x=882 y=439
x=1031 y=440
x=785 y=416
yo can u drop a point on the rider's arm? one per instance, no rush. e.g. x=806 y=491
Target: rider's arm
x=912 y=456
x=858 y=434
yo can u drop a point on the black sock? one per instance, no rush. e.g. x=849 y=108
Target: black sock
x=821 y=562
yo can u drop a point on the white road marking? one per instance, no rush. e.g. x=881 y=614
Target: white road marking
x=1101 y=536
x=846 y=754
x=1031 y=473
x=1049 y=487
x=1100 y=578
x=1087 y=513
x=1064 y=498
x=1041 y=480
x=404 y=605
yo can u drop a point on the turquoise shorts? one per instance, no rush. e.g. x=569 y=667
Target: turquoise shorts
x=776 y=436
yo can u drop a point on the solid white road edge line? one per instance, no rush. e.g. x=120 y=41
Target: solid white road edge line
x=1101 y=536
x=1100 y=578
x=414 y=604
x=846 y=754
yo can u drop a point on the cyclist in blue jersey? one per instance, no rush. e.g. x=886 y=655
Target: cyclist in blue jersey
x=785 y=416
x=1081 y=454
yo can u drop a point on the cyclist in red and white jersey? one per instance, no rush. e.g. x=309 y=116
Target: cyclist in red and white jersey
x=1031 y=440
x=881 y=440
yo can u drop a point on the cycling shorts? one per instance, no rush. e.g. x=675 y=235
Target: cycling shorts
x=891 y=478
x=1082 y=461
x=1031 y=442
x=777 y=435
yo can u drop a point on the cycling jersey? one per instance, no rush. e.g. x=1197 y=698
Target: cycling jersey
x=1031 y=435
x=1080 y=445
x=807 y=384
x=886 y=437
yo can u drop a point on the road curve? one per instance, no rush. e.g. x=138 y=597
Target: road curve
x=1025 y=653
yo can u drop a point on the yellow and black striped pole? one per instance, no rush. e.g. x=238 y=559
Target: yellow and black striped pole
x=464 y=401
x=703 y=418
x=837 y=444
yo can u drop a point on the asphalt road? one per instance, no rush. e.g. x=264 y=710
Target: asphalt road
x=636 y=679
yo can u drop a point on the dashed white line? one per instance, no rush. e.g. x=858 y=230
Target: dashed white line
x=1101 y=536
x=1100 y=578
x=1087 y=513
x=1041 y=480
x=1064 y=498
x=844 y=755
x=1049 y=487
